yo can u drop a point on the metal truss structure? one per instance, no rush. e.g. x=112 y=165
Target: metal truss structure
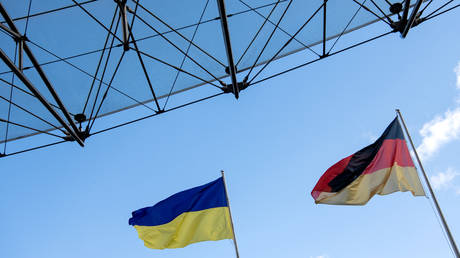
x=67 y=65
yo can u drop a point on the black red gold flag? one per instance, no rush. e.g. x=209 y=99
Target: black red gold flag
x=382 y=168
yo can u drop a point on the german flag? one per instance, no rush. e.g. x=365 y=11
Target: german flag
x=383 y=167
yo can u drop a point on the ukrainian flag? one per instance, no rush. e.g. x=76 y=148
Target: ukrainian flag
x=194 y=215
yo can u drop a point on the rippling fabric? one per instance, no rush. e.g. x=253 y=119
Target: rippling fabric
x=194 y=215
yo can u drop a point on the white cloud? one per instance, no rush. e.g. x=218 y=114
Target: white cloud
x=320 y=256
x=443 y=180
x=457 y=73
x=371 y=138
x=439 y=131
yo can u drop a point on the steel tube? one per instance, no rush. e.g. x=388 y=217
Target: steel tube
x=40 y=71
x=37 y=94
x=228 y=46
x=412 y=17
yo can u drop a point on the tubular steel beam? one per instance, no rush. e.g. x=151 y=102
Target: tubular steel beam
x=40 y=71
x=37 y=94
x=12 y=33
x=20 y=53
x=124 y=23
x=228 y=46
x=405 y=15
x=412 y=18
x=324 y=28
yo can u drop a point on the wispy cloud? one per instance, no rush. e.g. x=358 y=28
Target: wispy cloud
x=457 y=191
x=370 y=137
x=442 y=129
x=438 y=132
x=457 y=73
x=320 y=256
x=443 y=180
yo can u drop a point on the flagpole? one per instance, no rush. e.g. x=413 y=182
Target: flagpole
x=231 y=219
x=443 y=220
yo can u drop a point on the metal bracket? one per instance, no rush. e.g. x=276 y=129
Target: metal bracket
x=227 y=88
x=81 y=134
x=405 y=24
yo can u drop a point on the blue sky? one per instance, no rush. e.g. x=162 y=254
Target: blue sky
x=274 y=143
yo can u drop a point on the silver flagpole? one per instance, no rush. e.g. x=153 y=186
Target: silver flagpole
x=231 y=219
x=443 y=220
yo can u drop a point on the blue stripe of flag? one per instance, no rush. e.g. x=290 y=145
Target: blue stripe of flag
x=210 y=195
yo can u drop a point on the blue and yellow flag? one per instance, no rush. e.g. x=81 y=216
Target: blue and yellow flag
x=194 y=215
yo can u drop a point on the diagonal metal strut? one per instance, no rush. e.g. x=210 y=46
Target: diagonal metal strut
x=37 y=94
x=124 y=21
x=228 y=47
x=72 y=131
x=412 y=18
